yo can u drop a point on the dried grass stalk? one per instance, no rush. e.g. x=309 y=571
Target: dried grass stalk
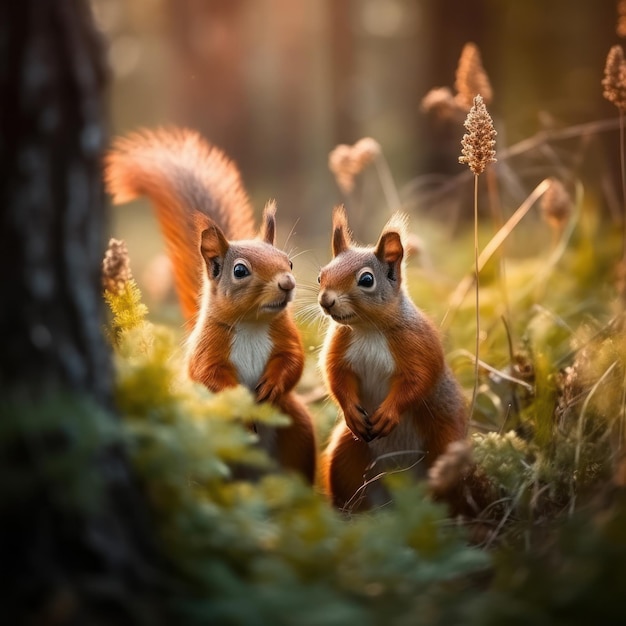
x=471 y=77
x=442 y=104
x=347 y=162
x=479 y=141
x=116 y=267
x=614 y=81
x=451 y=468
x=365 y=151
x=477 y=151
x=556 y=205
x=620 y=283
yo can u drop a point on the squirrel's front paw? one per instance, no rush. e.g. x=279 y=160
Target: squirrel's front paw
x=358 y=421
x=383 y=422
x=266 y=392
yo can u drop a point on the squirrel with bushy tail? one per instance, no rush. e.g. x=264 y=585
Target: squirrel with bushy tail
x=234 y=285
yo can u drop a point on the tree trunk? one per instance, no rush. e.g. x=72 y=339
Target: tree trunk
x=73 y=547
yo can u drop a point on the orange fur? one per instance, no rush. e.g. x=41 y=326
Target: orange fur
x=384 y=365
x=343 y=469
x=185 y=178
x=294 y=442
x=235 y=288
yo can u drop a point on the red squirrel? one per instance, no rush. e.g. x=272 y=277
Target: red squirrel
x=234 y=288
x=383 y=363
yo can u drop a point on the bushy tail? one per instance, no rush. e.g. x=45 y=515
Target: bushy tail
x=185 y=178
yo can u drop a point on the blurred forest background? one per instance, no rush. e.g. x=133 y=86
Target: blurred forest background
x=277 y=84
x=131 y=521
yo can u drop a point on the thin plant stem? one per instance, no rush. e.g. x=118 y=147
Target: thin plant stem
x=386 y=182
x=537 y=285
x=579 y=435
x=462 y=289
x=498 y=221
x=509 y=341
x=490 y=368
x=623 y=177
x=476 y=273
x=514 y=503
x=619 y=461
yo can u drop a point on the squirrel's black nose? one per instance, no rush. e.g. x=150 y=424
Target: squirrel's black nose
x=287 y=282
x=327 y=300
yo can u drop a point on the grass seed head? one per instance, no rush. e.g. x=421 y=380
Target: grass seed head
x=365 y=151
x=116 y=266
x=451 y=468
x=614 y=81
x=556 y=205
x=471 y=77
x=440 y=103
x=347 y=162
x=479 y=142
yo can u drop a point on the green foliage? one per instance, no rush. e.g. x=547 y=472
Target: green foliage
x=550 y=415
x=506 y=459
x=575 y=575
x=127 y=308
x=271 y=551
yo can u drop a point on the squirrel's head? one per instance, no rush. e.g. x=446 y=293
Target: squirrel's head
x=360 y=286
x=249 y=279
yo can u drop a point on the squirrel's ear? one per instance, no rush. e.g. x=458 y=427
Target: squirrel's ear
x=390 y=252
x=268 y=227
x=213 y=247
x=341 y=234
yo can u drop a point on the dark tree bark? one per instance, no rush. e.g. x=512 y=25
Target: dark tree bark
x=60 y=562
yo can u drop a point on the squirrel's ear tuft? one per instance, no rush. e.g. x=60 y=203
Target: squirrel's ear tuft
x=341 y=234
x=268 y=227
x=213 y=247
x=389 y=249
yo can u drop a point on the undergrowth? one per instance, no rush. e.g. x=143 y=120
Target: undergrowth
x=273 y=551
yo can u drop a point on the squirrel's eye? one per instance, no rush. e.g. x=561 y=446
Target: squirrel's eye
x=366 y=279
x=319 y=278
x=290 y=265
x=240 y=271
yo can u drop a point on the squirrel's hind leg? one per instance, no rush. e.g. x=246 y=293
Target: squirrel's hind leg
x=296 y=449
x=344 y=465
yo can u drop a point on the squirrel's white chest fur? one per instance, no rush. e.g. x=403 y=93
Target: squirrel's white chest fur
x=250 y=350
x=371 y=360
